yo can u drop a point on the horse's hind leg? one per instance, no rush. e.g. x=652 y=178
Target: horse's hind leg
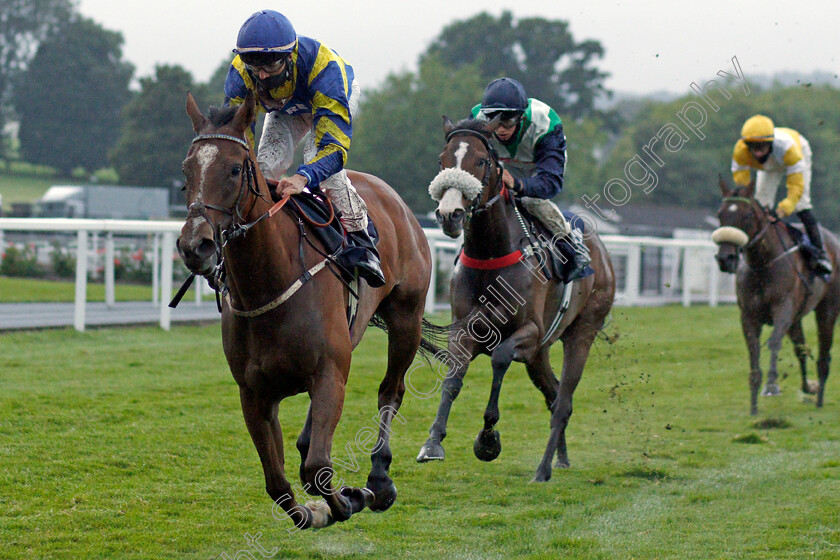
x=797 y=336
x=542 y=375
x=577 y=341
x=264 y=427
x=404 y=332
x=826 y=319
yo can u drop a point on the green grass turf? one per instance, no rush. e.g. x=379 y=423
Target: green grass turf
x=129 y=443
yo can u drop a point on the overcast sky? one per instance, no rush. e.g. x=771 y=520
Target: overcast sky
x=653 y=45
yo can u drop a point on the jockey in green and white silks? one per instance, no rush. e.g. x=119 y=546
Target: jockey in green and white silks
x=532 y=150
x=309 y=94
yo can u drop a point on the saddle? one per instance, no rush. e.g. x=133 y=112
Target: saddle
x=562 y=254
x=317 y=211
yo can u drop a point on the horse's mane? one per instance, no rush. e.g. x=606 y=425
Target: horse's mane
x=220 y=116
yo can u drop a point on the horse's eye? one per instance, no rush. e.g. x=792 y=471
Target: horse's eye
x=482 y=162
x=440 y=163
x=237 y=169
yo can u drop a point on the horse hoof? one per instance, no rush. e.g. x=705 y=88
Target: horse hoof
x=562 y=464
x=811 y=387
x=431 y=451
x=383 y=498
x=488 y=445
x=771 y=390
x=359 y=498
x=321 y=515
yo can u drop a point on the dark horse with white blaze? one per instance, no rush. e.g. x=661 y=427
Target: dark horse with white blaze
x=775 y=286
x=284 y=324
x=509 y=296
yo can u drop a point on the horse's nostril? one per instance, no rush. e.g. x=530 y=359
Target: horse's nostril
x=205 y=249
x=438 y=217
x=458 y=214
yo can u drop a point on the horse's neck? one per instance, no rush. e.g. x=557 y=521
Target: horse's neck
x=773 y=242
x=263 y=262
x=492 y=233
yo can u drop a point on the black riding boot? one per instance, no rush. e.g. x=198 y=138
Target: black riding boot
x=581 y=258
x=367 y=263
x=822 y=265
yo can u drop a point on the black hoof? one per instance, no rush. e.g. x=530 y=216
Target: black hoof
x=358 y=498
x=384 y=495
x=487 y=445
x=431 y=451
x=542 y=476
x=771 y=390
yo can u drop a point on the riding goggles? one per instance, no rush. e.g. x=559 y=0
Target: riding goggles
x=507 y=120
x=259 y=63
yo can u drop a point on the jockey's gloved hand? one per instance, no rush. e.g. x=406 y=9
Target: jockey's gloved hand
x=518 y=187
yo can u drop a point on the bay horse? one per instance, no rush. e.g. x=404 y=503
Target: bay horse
x=775 y=286
x=508 y=297
x=284 y=325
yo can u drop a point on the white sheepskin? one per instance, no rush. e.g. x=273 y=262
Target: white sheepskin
x=729 y=234
x=454 y=178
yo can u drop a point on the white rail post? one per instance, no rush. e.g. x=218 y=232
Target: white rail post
x=688 y=268
x=634 y=273
x=155 y=268
x=714 y=281
x=110 y=299
x=167 y=249
x=81 y=280
x=430 y=295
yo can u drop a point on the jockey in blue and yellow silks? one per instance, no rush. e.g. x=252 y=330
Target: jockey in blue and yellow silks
x=778 y=153
x=309 y=94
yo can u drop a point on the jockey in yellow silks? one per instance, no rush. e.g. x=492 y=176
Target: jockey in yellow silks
x=309 y=94
x=778 y=153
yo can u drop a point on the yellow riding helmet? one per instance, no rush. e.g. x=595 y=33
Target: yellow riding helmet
x=758 y=128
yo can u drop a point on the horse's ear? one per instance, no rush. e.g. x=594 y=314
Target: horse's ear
x=724 y=188
x=493 y=124
x=196 y=117
x=447 y=125
x=245 y=114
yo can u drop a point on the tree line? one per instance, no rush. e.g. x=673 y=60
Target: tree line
x=63 y=78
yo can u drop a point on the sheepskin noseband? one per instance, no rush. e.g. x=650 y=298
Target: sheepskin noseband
x=454 y=178
x=728 y=234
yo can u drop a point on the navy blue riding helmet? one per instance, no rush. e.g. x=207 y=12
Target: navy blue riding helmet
x=504 y=95
x=265 y=37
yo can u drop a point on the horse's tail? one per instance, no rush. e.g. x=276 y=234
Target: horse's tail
x=433 y=338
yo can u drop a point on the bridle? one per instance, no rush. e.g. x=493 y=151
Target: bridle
x=248 y=184
x=489 y=172
x=761 y=213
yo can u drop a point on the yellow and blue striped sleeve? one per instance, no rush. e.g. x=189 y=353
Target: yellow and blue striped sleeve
x=329 y=83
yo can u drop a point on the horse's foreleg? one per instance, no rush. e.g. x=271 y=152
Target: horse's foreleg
x=432 y=450
x=577 y=342
x=519 y=346
x=782 y=321
x=264 y=427
x=327 y=396
x=752 y=334
x=797 y=336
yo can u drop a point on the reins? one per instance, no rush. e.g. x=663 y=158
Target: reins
x=236 y=229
